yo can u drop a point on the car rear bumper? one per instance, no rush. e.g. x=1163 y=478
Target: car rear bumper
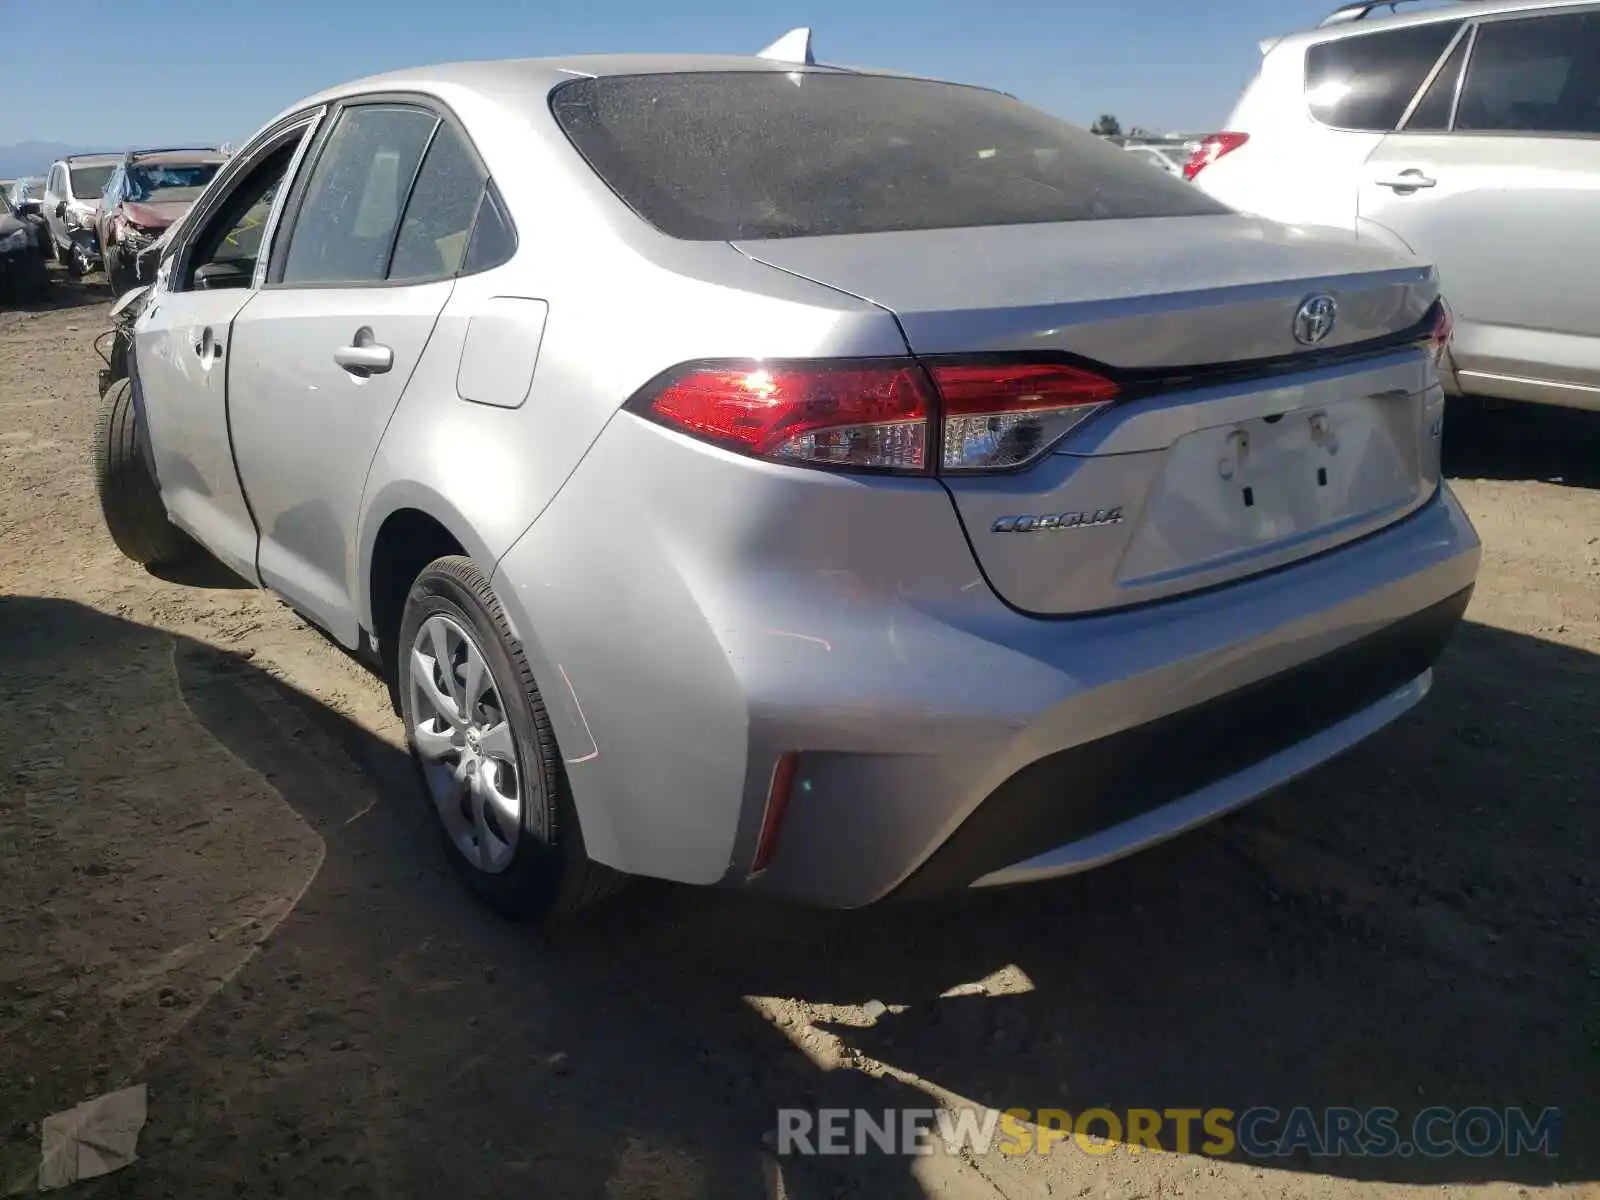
x=1090 y=804
x=686 y=641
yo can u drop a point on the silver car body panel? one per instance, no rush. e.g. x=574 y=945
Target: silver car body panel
x=691 y=614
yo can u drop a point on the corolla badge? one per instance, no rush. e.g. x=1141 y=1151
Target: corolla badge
x=1313 y=320
x=1066 y=520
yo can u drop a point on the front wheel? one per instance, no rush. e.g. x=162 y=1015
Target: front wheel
x=486 y=752
x=129 y=498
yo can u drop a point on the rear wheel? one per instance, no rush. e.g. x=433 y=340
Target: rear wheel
x=486 y=752
x=129 y=499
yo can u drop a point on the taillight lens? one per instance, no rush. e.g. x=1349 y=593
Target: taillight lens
x=1444 y=328
x=879 y=415
x=852 y=415
x=1210 y=148
x=999 y=416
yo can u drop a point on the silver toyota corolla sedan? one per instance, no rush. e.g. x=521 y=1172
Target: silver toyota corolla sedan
x=818 y=482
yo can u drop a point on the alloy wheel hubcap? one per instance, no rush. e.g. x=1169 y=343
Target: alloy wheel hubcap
x=461 y=734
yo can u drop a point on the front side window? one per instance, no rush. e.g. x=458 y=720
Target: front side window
x=1535 y=75
x=347 y=222
x=168 y=183
x=88 y=183
x=230 y=242
x=772 y=154
x=1367 y=81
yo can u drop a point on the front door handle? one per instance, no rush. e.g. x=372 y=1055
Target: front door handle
x=1407 y=181
x=364 y=356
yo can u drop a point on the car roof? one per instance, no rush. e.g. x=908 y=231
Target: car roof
x=91 y=160
x=512 y=78
x=1462 y=10
x=170 y=157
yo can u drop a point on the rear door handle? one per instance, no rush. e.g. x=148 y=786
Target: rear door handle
x=364 y=356
x=1407 y=181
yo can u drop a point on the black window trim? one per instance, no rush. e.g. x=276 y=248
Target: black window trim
x=1467 y=32
x=443 y=116
x=1446 y=17
x=1476 y=24
x=227 y=181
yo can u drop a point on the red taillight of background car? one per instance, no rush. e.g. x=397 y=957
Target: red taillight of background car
x=1210 y=148
x=880 y=415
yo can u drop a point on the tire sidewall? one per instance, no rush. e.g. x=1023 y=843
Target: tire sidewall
x=532 y=877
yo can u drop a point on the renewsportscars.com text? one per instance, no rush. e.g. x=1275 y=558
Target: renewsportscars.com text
x=1260 y=1132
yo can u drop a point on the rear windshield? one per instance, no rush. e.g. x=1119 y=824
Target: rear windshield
x=88 y=182
x=153 y=183
x=724 y=155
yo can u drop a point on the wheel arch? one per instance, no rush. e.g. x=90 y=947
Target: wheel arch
x=407 y=526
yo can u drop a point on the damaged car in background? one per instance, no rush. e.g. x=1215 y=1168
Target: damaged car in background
x=148 y=191
x=71 y=204
x=22 y=270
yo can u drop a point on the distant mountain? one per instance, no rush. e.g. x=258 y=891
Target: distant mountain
x=34 y=158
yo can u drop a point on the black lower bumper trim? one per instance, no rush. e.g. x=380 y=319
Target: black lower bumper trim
x=1083 y=790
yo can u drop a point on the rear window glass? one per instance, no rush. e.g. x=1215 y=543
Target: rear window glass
x=88 y=182
x=1366 y=82
x=724 y=155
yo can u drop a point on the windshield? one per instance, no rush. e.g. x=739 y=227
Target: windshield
x=88 y=182
x=168 y=182
x=770 y=154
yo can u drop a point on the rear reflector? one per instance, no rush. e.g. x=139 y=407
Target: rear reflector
x=778 y=792
x=1210 y=148
x=879 y=414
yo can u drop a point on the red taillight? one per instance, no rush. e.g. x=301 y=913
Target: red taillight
x=998 y=416
x=1210 y=148
x=879 y=415
x=1444 y=328
x=859 y=415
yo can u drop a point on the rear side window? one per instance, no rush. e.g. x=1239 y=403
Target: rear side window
x=347 y=223
x=1432 y=112
x=438 y=220
x=725 y=155
x=1537 y=75
x=493 y=240
x=1366 y=82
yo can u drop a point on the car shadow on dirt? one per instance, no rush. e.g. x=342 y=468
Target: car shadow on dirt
x=1522 y=441
x=1412 y=926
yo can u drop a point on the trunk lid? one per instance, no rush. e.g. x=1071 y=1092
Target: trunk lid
x=1254 y=451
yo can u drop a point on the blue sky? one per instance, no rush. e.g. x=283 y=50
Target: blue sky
x=118 y=72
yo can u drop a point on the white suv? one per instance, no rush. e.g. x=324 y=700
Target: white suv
x=1468 y=135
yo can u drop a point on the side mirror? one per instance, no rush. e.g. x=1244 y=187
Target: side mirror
x=61 y=210
x=230 y=274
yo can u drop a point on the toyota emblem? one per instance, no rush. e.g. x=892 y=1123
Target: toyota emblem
x=1313 y=320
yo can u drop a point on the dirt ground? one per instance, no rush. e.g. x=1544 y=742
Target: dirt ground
x=216 y=877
